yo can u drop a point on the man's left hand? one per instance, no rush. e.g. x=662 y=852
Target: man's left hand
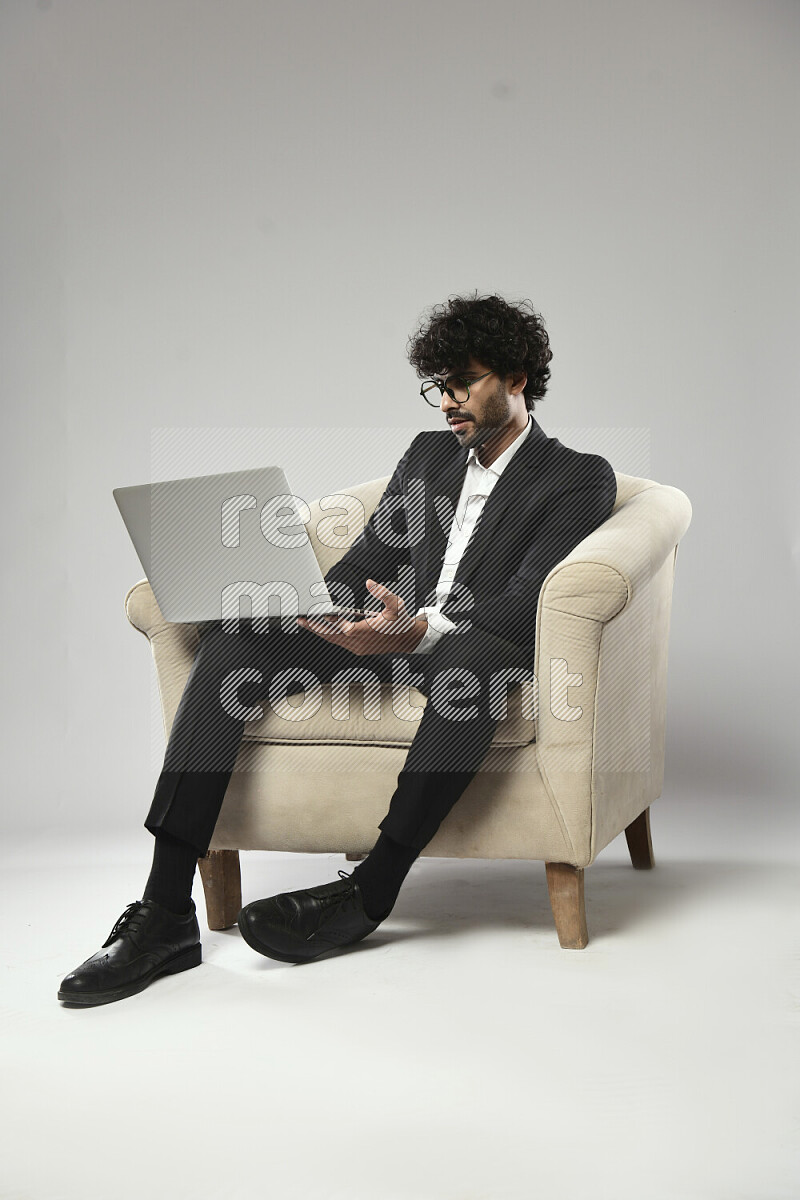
x=392 y=631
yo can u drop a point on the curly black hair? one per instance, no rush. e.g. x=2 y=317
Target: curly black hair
x=509 y=338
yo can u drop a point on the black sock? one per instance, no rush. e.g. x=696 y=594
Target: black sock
x=170 y=880
x=380 y=876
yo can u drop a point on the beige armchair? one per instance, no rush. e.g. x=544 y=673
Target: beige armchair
x=568 y=771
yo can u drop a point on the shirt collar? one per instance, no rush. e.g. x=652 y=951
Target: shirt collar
x=500 y=463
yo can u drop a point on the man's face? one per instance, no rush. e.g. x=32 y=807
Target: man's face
x=489 y=409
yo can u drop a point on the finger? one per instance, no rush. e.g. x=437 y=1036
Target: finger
x=389 y=598
x=378 y=588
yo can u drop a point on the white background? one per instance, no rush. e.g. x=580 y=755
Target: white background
x=229 y=215
x=233 y=215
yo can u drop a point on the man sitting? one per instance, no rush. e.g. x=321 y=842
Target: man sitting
x=476 y=515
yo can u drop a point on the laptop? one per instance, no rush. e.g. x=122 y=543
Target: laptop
x=216 y=547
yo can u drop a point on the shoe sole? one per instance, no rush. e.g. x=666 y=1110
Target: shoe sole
x=181 y=962
x=268 y=952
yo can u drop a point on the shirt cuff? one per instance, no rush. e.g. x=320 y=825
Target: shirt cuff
x=438 y=626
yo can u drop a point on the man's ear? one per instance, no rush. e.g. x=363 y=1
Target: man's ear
x=519 y=383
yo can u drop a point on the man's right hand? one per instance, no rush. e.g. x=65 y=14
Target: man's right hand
x=369 y=636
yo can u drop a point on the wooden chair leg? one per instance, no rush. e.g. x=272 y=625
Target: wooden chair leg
x=222 y=885
x=640 y=844
x=565 y=885
x=355 y=857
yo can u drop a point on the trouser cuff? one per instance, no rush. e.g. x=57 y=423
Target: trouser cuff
x=186 y=805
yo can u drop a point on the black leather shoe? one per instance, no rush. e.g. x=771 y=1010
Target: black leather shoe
x=299 y=926
x=147 y=941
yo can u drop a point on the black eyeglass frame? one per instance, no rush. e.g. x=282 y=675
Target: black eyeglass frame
x=444 y=388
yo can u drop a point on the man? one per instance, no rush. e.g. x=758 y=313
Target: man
x=472 y=521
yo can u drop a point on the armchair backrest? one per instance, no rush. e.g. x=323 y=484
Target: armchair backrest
x=334 y=527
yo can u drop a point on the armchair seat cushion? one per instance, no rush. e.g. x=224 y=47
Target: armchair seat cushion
x=318 y=721
x=175 y=646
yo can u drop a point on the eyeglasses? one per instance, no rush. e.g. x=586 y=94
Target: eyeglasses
x=459 y=391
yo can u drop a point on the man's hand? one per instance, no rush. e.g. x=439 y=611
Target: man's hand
x=393 y=631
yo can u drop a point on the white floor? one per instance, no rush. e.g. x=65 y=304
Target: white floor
x=458 y=1053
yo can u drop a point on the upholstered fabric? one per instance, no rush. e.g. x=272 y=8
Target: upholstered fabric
x=558 y=789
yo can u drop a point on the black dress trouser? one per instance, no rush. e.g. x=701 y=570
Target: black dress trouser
x=233 y=671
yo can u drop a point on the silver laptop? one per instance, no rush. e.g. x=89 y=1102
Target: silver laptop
x=216 y=547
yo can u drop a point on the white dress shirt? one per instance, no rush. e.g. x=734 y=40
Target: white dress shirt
x=476 y=489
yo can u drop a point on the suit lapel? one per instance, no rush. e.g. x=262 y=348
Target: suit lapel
x=508 y=499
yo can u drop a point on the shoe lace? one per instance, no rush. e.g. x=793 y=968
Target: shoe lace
x=330 y=905
x=124 y=923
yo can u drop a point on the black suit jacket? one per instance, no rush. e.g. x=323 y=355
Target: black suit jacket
x=547 y=500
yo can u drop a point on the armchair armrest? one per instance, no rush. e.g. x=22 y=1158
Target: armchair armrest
x=602 y=631
x=173 y=647
x=597 y=579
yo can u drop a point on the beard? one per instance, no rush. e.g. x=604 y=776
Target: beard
x=496 y=415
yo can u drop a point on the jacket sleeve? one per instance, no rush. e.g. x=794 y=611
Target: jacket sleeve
x=379 y=550
x=574 y=513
